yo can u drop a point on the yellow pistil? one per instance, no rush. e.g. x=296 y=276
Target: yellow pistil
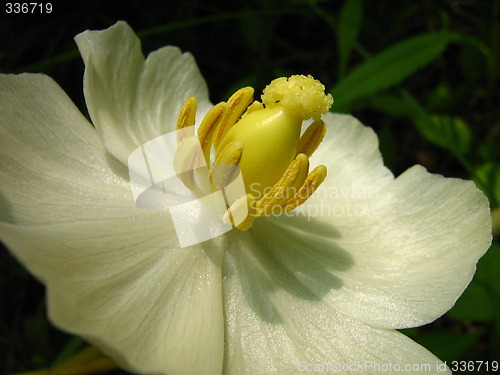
x=263 y=140
x=269 y=137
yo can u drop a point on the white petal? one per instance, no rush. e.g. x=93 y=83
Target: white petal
x=154 y=309
x=130 y=100
x=113 y=272
x=351 y=154
x=276 y=326
x=53 y=167
x=398 y=259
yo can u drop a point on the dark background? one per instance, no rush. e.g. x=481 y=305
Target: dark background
x=443 y=114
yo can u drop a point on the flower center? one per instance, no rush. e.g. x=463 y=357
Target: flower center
x=264 y=141
x=270 y=135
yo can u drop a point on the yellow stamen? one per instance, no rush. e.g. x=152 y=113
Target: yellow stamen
x=186 y=120
x=237 y=104
x=312 y=137
x=256 y=105
x=208 y=127
x=286 y=187
x=224 y=169
x=187 y=156
x=241 y=213
x=263 y=142
x=311 y=183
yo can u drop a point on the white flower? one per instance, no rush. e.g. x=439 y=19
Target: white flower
x=293 y=292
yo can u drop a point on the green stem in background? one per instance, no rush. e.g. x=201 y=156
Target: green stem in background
x=40 y=66
x=157 y=30
x=73 y=345
x=86 y=362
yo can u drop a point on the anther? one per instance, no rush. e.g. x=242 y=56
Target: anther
x=311 y=183
x=286 y=187
x=241 y=213
x=312 y=137
x=225 y=166
x=256 y=105
x=187 y=157
x=208 y=127
x=236 y=105
x=186 y=120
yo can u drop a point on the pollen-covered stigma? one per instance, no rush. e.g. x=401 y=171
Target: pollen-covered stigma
x=263 y=139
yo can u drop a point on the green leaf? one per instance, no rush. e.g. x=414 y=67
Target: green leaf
x=489 y=149
x=451 y=133
x=487 y=175
x=390 y=104
x=387 y=145
x=351 y=17
x=474 y=304
x=410 y=332
x=448 y=346
x=479 y=302
x=71 y=348
x=487 y=271
x=37 y=329
x=390 y=67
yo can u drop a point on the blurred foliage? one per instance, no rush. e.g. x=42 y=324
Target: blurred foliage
x=425 y=75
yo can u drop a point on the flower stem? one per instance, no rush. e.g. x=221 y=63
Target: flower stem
x=86 y=362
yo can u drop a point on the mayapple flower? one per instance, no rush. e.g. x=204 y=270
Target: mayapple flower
x=324 y=285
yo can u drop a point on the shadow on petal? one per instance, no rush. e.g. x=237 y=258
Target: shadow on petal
x=117 y=166
x=298 y=255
